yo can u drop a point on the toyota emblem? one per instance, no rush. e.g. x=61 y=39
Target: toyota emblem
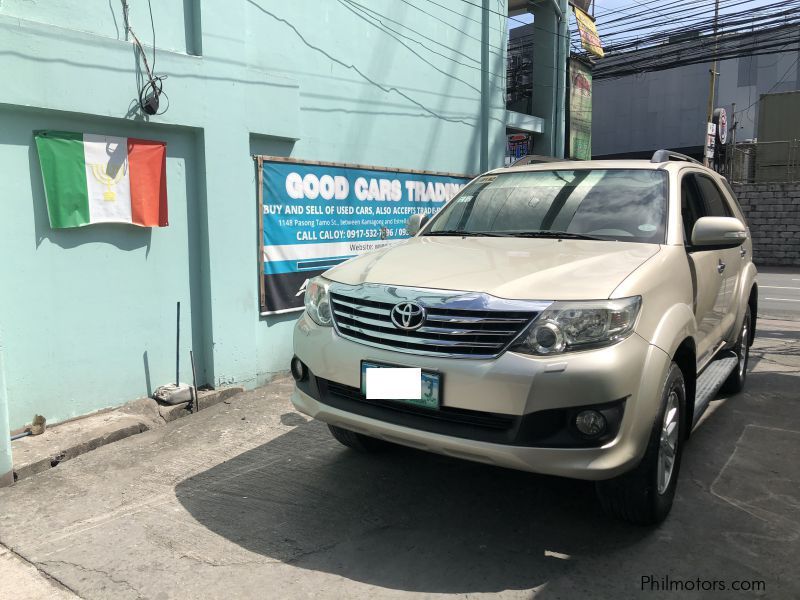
x=408 y=315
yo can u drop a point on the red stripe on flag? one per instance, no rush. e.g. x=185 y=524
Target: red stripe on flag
x=147 y=163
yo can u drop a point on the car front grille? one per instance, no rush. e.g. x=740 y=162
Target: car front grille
x=452 y=332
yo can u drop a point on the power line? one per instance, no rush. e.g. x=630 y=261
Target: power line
x=689 y=18
x=732 y=25
x=451 y=26
x=695 y=22
x=381 y=17
x=466 y=119
x=494 y=12
x=692 y=20
x=625 y=8
x=704 y=19
x=743 y=41
x=688 y=62
x=741 y=23
x=396 y=35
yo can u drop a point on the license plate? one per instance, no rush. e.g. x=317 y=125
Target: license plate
x=430 y=385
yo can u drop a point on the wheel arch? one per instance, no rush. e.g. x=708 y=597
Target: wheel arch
x=752 y=302
x=685 y=357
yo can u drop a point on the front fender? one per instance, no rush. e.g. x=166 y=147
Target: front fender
x=677 y=324
x=747 y=281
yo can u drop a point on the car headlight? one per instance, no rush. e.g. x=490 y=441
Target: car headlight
x=318 y=305
x=566 y=326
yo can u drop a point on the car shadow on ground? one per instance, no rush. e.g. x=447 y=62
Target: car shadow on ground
x=408 y=520
x=402 y=519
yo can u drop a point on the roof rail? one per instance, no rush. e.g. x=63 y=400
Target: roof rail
x=668 y=155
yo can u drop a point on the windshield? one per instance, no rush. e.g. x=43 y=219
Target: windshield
x=607 y=204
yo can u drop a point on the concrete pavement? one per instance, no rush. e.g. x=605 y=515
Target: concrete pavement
x=252 y=500
x=21 y=580
x=779 y=292
x=34 y=454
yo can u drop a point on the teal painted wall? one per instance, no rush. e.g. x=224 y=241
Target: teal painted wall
x=87 y=316
x=92 y=311
x=6 y=476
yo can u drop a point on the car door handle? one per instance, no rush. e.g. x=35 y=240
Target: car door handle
x=720 y=266
x=743 y=252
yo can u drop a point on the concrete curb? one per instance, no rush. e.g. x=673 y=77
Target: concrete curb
x=204 y=400
x=35 y=454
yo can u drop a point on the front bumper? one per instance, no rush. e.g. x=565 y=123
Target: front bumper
x=511 y=386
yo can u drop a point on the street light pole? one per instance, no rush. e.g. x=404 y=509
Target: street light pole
x=712 y=84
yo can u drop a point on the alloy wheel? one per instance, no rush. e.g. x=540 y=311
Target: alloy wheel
x=743 y=349
x=668 y=443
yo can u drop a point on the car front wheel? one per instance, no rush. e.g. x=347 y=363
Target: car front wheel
x=644 y=495
x=735 y=382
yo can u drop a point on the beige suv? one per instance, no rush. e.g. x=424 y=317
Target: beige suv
x=573 y=319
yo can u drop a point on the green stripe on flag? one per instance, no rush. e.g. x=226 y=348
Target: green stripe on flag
x=64 y=173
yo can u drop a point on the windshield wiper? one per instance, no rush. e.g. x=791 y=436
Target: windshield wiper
x=555 y=234
x=456 y=232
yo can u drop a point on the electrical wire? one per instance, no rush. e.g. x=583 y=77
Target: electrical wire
x=625 y=8
x=152 y=89
x=692 y=22
x=665 y=49
x=494 y=12
x=153 y=29
x=632 y=28
x=668 y=56
x=697 y=22
x=689 y=19
x=741 y=30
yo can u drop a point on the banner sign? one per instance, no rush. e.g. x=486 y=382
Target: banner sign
x=711 y=139
x=580 y=110
x=317 y=215
x=584 y=5
x=590 y=40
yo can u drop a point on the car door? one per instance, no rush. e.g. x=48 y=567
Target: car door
x=731 y=261
x=707 y=281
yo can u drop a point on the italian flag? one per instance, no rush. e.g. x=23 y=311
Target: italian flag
x=103 y=179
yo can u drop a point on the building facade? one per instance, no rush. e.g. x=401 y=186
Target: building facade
x=636 y=114
x=87 y=315
x=536 y=71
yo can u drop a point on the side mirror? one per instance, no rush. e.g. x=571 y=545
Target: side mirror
x=415 y=223
x=718 y=233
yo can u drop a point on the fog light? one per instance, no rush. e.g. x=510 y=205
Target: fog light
x=299 y=371
x=590 y=423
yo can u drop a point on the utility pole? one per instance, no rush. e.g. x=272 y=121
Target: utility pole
x=712 y=85
x=483 y=160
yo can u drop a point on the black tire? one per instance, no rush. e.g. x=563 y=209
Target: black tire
x=357 y=441
x=634 y=496
x=736 y=380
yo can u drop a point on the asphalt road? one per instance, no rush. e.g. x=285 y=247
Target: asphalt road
x=252 y=500
x=779 y=293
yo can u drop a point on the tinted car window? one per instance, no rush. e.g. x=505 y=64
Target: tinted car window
x=692 y=207
x=716 y=205
x=614 y=204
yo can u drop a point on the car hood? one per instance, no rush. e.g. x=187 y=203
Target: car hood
x=506 y=267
